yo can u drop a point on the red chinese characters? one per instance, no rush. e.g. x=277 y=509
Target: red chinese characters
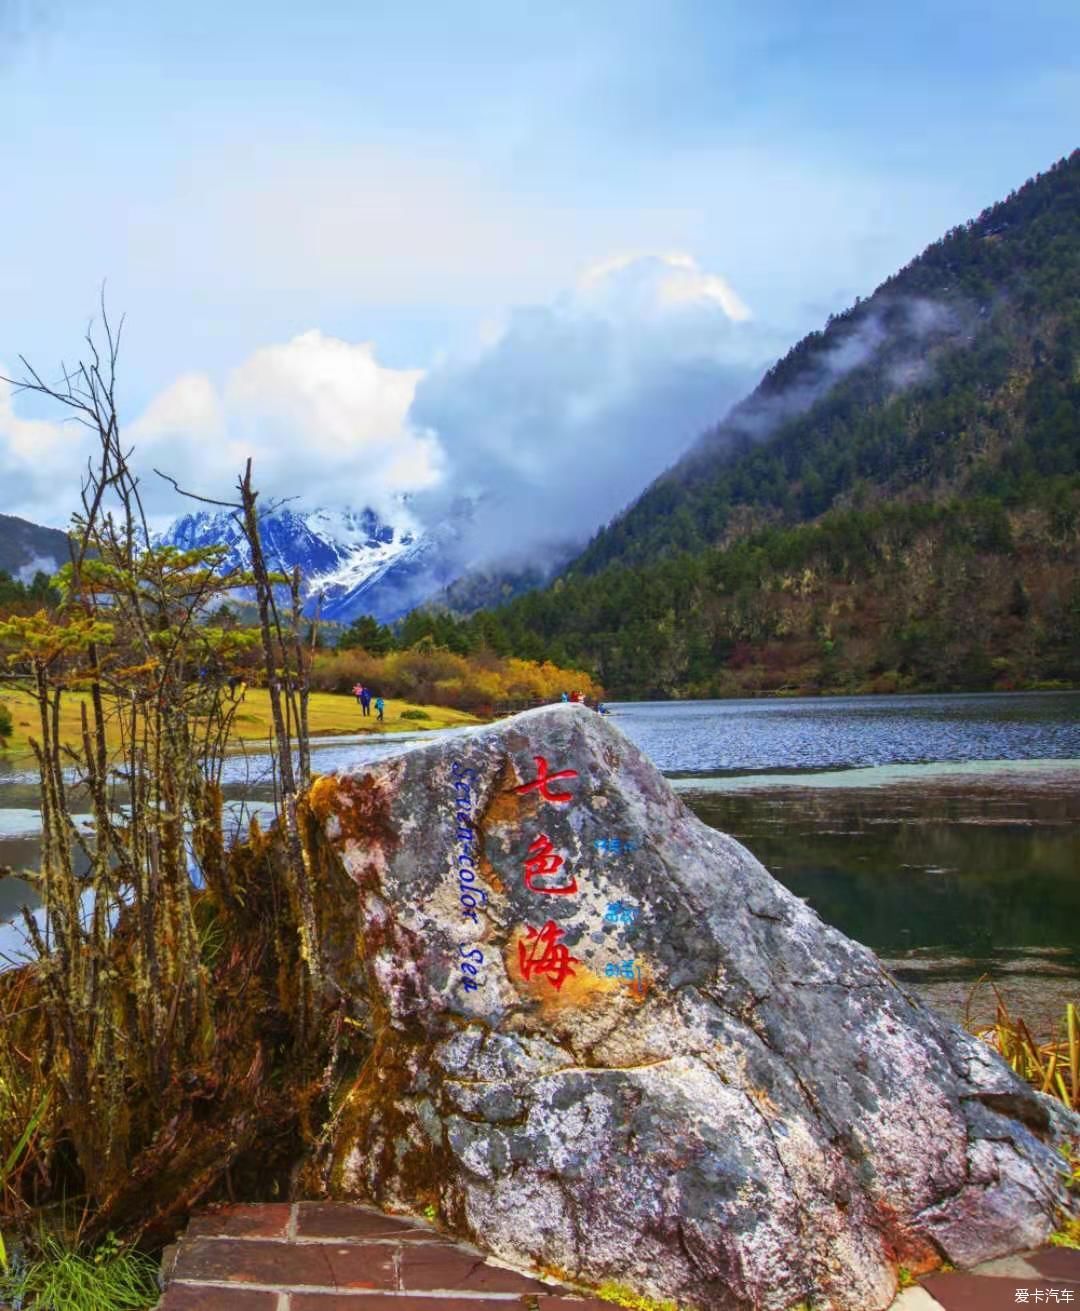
x=540 y=953
x=541 y=862
x=543 y=781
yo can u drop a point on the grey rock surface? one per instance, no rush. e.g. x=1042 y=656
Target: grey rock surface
x=610 y=1046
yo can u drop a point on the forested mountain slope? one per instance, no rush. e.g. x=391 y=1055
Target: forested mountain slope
x=895 y=506
x=26 y=548
x=959 y=375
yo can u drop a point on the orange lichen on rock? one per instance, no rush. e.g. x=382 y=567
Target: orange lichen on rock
x=361 y=804
x=555 y=980
x=489 y=874
x=507 y=807
x=322 y=797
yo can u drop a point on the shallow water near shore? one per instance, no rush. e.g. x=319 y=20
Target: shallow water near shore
x=943 y=832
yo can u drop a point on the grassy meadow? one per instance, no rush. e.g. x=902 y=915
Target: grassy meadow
x=329 y=713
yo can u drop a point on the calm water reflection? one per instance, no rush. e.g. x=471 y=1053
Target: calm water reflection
x=974 y=867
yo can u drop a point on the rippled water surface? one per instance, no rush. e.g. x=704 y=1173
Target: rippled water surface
x=718 y=737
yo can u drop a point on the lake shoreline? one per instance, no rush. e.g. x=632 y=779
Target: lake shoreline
x=943 y=832
x=1006 y=773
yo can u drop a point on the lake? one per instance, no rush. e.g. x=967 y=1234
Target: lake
x=943 y=831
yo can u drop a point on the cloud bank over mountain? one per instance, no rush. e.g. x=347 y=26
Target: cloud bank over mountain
x=549 y=421
x=564 y=412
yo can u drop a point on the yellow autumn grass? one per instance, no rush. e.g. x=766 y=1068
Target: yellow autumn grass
x=1052 y=1066
x=329 y=714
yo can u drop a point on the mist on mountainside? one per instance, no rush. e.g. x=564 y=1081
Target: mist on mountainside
x=892 y=394
x=896 y=507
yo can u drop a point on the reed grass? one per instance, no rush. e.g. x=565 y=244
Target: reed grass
x=1052 y=1065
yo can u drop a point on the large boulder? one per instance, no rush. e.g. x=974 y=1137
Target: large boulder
x=609 y=1046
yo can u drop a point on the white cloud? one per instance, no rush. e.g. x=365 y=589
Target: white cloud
x=321 y=419
x=552 y=420
x=671 y=279
x=189 y=406
x=38 y=457
x=562 y=416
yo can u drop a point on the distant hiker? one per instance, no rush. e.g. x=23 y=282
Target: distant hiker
x=243 y=688
x=365 y=700
x=234 y=683
x=358 y=692
x=565 y=696
x=380 y=706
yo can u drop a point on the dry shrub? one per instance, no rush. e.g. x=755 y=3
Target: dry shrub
x=436 y=676
x=246 y=1099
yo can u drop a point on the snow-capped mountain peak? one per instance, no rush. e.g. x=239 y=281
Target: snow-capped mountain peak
x=354 y=560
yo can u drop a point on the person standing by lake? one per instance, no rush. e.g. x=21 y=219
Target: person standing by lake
x=380 y=706
x=365 y=700
x=358 y=692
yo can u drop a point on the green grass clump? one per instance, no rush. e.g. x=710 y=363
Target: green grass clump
x=1067 y=1236
x=415 y=714
x=60 y=1278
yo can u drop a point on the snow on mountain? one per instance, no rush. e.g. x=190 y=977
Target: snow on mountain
x=357 y=562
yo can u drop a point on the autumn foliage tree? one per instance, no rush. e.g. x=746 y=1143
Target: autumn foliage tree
x=141 y=1076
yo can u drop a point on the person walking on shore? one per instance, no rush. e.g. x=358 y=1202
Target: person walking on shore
x=358 y=692
x=365 y=700
x=380 y=706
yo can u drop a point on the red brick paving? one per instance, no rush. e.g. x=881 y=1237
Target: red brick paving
x=260 y=1221
x=961 y=1292
x=386 y=1302
x=1048 y=1278
x=276 y=1263
x=426 y=1269
x=187 y=1297
x=423 y=1302
x=332 y=1220
x=328 y=1256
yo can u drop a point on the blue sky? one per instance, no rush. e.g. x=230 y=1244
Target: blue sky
x=396 y=185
